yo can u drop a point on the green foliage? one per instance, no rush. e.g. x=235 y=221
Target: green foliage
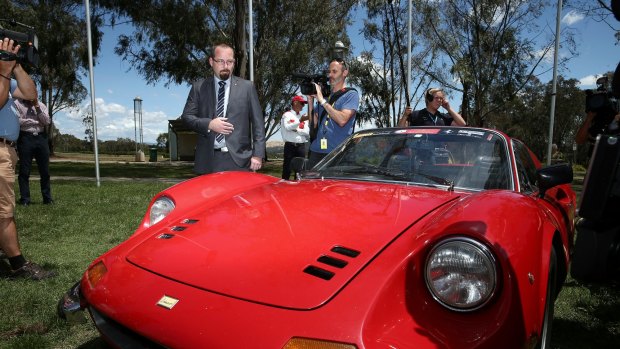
x=172 y=41
x=61 y=29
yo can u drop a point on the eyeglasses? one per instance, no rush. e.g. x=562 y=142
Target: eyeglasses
x=224 y=62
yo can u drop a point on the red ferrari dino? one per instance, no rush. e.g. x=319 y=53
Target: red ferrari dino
x=429 y=237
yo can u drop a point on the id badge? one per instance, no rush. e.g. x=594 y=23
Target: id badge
x=323 y=143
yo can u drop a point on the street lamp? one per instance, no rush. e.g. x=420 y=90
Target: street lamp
x=137 y=120
x=338 y=51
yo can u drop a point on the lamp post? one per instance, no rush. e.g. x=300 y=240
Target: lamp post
x=137 y=120
x=338 y=51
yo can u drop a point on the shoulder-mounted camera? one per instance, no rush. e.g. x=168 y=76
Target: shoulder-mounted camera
x=307 y=84
x=28 y=52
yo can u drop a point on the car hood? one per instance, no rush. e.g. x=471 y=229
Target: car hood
x=286 y=244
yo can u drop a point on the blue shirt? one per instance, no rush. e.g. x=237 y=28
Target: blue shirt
x=330 y=130
x=9 y=120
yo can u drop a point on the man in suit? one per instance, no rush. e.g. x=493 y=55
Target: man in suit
x=225 y=112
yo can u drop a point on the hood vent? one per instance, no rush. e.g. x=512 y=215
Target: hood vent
x=345 y=251
x=332 y=262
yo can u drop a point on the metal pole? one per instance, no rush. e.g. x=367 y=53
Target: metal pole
x=555 y=81
x=409 y=49
x=141 y=127
x=136 y=102
x=250 y=23
x=92 y=89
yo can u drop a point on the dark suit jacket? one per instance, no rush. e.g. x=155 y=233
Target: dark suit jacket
x=243 y=111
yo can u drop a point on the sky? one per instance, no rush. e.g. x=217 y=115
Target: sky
x=116 y=83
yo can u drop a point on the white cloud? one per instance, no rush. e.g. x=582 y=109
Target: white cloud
x=572 y=17
x=113 y=121
x=588 y=81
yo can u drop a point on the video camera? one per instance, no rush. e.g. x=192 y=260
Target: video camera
x=308 y=81
x=602 y=98
x=28 y=52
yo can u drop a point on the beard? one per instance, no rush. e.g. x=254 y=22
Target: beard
x=224 y=74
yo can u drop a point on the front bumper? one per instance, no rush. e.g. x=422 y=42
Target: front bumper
x=70 y=306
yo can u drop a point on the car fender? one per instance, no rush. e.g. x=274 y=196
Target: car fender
x=520 y=232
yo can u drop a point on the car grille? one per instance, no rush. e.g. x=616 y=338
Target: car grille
x=119 y=335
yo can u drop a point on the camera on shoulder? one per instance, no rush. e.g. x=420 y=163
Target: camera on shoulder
x=307 y=83
x=28 y=52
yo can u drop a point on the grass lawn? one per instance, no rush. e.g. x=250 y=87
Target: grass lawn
x=87 y=220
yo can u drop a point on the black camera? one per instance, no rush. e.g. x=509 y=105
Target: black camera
x=28 y=53
x=308 y=81
x=602 y=98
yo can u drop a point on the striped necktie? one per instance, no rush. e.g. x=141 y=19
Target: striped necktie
x=220 y=107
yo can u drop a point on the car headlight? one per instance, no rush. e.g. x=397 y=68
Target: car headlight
x=461 y=274
x=160 y=209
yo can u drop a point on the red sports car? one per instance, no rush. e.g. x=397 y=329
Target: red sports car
x=425 y=237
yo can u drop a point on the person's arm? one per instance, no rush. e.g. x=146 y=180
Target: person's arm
x=42 y=113
x=290 y=121
x=258 y=130
x=457 y=119
x=404 y=119
x=26 y=88
x=6 y=69
x=340 y=117
x=582 y=134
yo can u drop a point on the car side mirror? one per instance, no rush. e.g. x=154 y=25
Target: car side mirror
x=551 y=176
x=299 y=164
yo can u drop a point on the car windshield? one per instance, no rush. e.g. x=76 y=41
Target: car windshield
x=462 y=158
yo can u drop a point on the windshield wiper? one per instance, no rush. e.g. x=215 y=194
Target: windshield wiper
x=438 y=180
x=369 y=169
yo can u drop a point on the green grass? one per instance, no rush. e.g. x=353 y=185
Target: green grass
x=87 y=220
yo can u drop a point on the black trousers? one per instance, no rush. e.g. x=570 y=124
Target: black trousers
x=291 y=150
x=31 y=147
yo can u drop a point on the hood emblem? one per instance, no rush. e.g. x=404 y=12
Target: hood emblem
x=167 y=302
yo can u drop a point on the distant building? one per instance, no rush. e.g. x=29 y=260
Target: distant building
x=182 y=141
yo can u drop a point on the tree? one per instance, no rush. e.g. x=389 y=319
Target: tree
x=381 y=71
x=87 y=121
x=162 y=141
x=172 y=41
x=61 y=30
x=599 y=10
x=489 y=50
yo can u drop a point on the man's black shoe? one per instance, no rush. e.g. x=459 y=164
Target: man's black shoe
x=24 y=202
x=48 y=202
x=32 y=271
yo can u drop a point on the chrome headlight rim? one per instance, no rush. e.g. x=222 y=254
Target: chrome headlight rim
x=483 y=251
x=160 y=209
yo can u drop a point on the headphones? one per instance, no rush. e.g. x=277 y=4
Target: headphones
x=428 y=95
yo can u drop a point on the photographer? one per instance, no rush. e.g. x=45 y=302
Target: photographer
x=334 y=118
x=10 y=89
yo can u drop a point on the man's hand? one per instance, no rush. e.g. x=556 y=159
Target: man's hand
x=304 y=118
x=319 y=94
x=6 y=67
x=221 y=125
x=256 y=163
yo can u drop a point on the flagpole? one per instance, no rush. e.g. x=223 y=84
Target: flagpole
x=555 y=82
x=92 y=89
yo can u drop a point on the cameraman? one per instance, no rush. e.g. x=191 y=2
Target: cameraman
x=335 y=116
x=10 y=89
